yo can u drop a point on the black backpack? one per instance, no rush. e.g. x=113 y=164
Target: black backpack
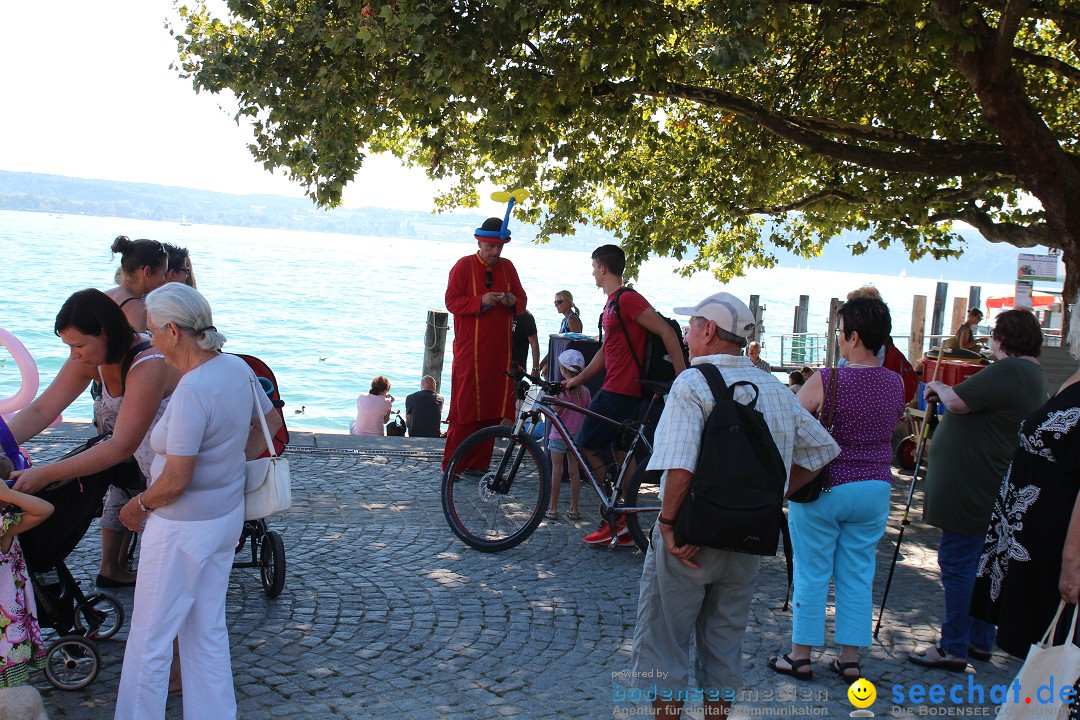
x=655 y=365
x=736 y=496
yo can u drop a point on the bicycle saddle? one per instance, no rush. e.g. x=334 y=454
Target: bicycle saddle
x=659 y=387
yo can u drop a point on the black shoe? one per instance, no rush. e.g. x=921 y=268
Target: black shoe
x=104 y=582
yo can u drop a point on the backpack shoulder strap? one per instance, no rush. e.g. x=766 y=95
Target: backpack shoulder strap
x=126 y=364
x=626 y=334
x=720 y=389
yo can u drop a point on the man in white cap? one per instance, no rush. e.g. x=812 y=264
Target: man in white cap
x=687 y=590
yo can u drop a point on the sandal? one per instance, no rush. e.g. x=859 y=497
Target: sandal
x=843 y=669
x=551 y=515
x=793 y=669
x=573 y=515
x=943 y=661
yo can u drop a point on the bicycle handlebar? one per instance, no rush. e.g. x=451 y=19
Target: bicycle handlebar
x=551 y=388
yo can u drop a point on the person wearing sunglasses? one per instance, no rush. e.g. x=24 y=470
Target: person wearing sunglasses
x=484 y=294
x=179 y=266
x=143 y=265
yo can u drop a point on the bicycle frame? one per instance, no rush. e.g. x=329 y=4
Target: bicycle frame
x=543 y=407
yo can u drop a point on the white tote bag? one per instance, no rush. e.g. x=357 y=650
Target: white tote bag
x=1047 y=670
x=268 y=488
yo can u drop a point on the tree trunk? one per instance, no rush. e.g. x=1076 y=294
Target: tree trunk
x=1068 y=293
x=1042 y=165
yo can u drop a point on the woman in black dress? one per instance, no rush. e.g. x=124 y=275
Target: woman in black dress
x=1021 y=576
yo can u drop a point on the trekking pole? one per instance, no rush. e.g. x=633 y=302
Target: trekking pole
x=905 y=520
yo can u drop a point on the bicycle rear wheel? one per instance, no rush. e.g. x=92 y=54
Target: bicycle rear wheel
x=642 y=490
x=497 y=508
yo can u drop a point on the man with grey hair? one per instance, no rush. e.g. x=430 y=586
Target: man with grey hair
x=753 y=351
x=687 y=590
x=423 y=410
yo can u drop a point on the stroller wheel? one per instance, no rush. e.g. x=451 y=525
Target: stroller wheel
x=72 y=663
x=100 y=617
x=905 y=454
x=272 y=563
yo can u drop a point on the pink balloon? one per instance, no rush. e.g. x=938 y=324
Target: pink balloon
x=27 y=369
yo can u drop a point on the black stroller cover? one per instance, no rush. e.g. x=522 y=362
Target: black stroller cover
x=77 y=503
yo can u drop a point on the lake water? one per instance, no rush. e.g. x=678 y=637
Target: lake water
x=329 y=312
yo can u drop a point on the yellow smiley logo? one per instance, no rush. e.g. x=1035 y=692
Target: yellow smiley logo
x=862 y=693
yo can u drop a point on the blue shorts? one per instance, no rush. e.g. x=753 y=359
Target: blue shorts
x=597 y=435
x=556 y=445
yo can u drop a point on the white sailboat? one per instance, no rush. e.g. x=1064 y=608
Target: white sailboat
x=183 y=220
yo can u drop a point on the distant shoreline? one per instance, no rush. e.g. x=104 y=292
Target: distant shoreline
x=982 y=261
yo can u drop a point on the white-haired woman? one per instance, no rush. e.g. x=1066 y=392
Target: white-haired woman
x=191 y=514
x=1031 y=560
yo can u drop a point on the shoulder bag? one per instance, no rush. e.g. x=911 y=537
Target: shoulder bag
x=268 y=485
x=811 y=490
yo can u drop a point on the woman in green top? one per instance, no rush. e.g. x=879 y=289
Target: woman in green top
x=971 y=450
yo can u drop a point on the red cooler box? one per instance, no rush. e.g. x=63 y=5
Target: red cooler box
x=951 y=373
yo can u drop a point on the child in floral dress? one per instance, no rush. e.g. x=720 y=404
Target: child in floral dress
x=21 y=645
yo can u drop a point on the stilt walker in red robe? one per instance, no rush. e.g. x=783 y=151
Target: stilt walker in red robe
x=484 y=294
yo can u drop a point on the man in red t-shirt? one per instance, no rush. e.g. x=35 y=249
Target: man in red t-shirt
x=619 y=398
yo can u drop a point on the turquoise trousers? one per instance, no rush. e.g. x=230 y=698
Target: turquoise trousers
x=835 y=537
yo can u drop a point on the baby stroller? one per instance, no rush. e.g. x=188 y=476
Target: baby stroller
x=72 y=661
x=267 y=548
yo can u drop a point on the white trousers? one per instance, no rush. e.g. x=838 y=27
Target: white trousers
x=183 y=578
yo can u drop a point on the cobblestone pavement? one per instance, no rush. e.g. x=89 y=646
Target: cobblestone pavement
x=386 y=614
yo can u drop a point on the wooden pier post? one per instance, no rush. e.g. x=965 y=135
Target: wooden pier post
x=435 y=344
x=918 y=328
x=757 y=311
x=959 y=312
x=800 y=354
x=937 y=321
x=832 y=348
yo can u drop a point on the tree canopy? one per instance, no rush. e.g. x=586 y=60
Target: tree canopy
x=687 y=128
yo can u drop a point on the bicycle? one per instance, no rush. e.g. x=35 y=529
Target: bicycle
x=498 y=508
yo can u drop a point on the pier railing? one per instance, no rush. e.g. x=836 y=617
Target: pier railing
x=799 y=349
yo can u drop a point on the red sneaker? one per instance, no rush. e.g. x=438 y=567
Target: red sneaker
x=603 y=533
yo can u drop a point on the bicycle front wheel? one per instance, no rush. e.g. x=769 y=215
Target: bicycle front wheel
x=496 y=508
x=642 y=491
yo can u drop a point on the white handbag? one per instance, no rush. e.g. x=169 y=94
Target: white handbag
x=1047 y=670
x=268 y=486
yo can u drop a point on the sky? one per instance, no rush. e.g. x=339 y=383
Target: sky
x=87 y=92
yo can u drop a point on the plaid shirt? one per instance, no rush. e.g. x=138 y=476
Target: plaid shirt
x=799 y=436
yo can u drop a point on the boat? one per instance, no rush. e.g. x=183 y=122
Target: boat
x=183 y=221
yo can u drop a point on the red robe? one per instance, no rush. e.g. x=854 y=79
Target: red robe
x=481 y=393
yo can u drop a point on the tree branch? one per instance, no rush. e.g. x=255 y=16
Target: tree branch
x=960 y=195
x=1052 y=64
x=1041 y=11
x=1005 y=38
x=857 y=5
x=943 y=196
x=1024 y=236
x=826 y=194
x=933 y=158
